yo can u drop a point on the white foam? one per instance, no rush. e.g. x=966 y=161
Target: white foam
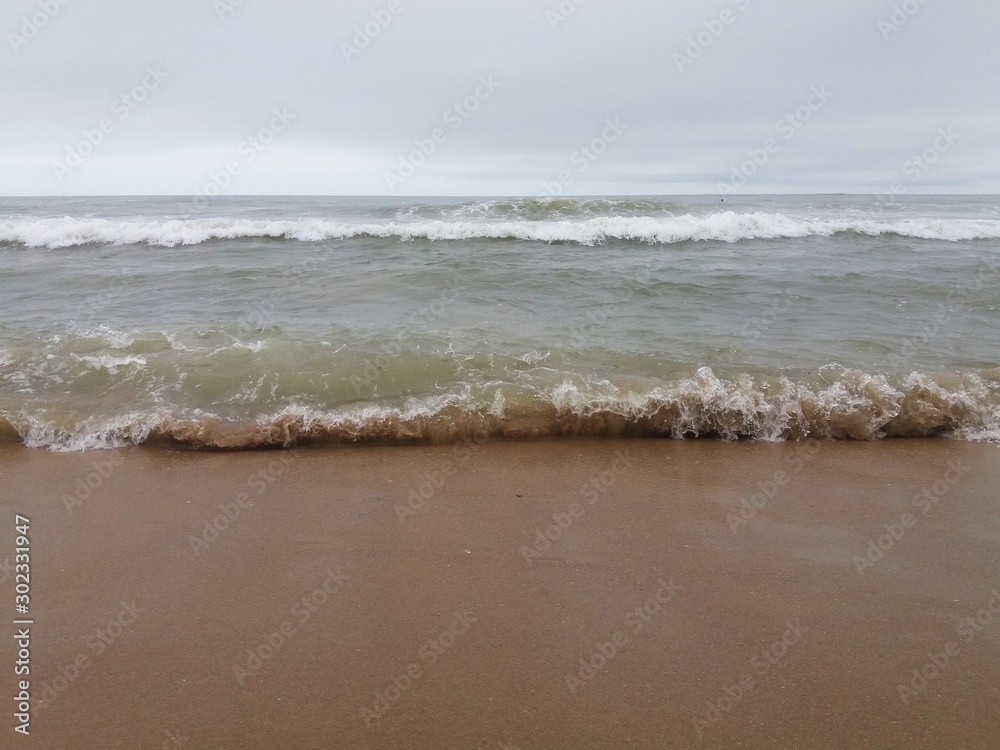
x=111 y=364
x=109 y=336
x=252 y=346
x=853 y=405
x=116 y=432
x=726 y=226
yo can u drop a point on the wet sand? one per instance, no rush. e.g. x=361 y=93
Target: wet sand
x=572 y=594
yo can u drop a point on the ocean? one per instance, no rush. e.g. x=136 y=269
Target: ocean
x=275 y=321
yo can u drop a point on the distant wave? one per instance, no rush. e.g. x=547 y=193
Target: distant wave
x=546 y=208
x=726 y=226
x=856 y=406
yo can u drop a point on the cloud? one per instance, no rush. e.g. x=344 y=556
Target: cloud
x=368 y=80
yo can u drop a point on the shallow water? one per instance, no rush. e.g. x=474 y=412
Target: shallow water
x=251 y=321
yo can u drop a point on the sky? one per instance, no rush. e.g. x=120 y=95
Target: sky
x=499 y=97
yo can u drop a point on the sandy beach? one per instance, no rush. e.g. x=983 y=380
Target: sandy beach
x=570 y=594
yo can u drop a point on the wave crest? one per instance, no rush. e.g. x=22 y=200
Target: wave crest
x=726 y=226
x=856 y=406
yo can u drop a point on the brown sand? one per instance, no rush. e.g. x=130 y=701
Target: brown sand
x=841 y=641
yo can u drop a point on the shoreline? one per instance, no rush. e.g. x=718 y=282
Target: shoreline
x=552 y=594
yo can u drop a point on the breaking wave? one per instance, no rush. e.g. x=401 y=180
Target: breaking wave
x=726 y=226
x=855 y=405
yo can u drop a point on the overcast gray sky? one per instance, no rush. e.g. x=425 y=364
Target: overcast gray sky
x=527 y=97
